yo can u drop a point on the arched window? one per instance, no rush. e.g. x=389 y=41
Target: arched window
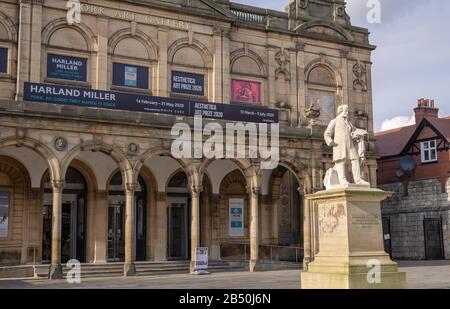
x=322 y=93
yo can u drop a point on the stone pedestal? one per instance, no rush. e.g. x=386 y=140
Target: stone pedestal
x=349 y=236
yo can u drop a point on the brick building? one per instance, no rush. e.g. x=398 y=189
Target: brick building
x=415 y=164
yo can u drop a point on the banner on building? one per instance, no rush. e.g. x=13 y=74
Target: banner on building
x=142 y=103
x=4 y=214
x=65 y=67
x=130 y=76
x=201 y=259
x=188 y=83
x=245 y=91
x=3 y=60
x=236 y=217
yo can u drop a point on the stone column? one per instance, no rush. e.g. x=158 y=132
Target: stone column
x=102 y=54
x=130 y=230
x=24 y=44
x=271 y=51
x=162 y=77
x=195 y=223
x=254 y=231
x=217 y=66
x=301 y=84
x=160 y=250
x=56 y=268
x=306 y=232
x=101 y=227
x=36 y=42
x=226 y=78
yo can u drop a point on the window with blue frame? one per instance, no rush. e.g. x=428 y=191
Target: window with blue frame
x=132 y=76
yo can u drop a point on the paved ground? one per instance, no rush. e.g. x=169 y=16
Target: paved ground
x=421 y=275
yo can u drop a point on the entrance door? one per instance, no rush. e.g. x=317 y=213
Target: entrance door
x=116 y=228
x=116 y=231
x=434 y=249
x=73 y=228
x=178 y=229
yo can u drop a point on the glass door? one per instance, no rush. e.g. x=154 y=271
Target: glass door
x=178 y=229
x=116 y=232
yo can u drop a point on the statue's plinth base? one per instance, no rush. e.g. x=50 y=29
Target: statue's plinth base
x=349 y=236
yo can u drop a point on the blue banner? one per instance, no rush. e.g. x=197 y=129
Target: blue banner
x=142 y=103
x=130 y=76
x=65 y=67
x=3 y=60
x=188 y=83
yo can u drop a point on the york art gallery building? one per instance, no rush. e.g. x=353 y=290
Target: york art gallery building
x=86 y=112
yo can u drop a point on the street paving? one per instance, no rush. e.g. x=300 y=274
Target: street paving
x=420 y=275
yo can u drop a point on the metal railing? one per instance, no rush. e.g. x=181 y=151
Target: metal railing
x=267 y=253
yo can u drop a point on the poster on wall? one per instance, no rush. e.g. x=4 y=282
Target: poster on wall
x=236 y=217
x=4 y=214
x=325 y=101
x=3 y=60
x=113 y=100
x=245 y=91
x=188 y=83
x=130 y=76
x=65 y=67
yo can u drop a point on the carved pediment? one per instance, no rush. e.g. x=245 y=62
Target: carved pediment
x=325 y=29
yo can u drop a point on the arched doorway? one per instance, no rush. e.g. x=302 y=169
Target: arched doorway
x=178 y=218
x=116 y=220
x=74 y=218
x=288 y=208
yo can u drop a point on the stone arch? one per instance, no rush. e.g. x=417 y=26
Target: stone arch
x=161 y=152
x=319 y=63
x=15 y=181
x=114 y=152
x=196 y=45
x=10 y=28
x=237 y=54
x=81 y=28
x=248 y=169
x=87 y=172
x=15 y=170
x=138 y=35
x=42 y=150
x=300 y=170
x=334 y=29
x=234 y=177
x=171 y=176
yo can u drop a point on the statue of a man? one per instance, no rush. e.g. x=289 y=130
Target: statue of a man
x=348 y=145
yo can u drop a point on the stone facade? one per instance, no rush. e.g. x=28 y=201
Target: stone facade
x=411 y=203
x=306 y=55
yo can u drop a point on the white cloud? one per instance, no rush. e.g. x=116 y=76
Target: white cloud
x=397 y=122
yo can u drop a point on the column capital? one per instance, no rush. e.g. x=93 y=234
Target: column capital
x=196 y=191
x=58 y=185
x=132 y=187
x=253 y=190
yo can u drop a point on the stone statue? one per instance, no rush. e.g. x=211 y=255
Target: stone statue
x=348 y=144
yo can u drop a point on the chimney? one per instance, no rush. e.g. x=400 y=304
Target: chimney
x=425 y=108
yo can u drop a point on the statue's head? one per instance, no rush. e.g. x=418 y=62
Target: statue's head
x=343 y=111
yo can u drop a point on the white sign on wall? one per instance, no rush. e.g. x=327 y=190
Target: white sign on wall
x=236 y=217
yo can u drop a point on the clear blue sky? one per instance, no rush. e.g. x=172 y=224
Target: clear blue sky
x=413 y=55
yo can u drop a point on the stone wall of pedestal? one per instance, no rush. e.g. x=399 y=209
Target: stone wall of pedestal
x=348 y=231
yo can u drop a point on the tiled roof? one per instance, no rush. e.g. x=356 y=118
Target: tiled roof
x=392 y=142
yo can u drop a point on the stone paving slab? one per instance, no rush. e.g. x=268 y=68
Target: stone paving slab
x=421 y=275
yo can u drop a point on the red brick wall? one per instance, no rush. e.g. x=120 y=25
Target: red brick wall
x=440 y=170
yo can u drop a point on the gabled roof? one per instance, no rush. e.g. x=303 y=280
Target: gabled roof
x=393 y=142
